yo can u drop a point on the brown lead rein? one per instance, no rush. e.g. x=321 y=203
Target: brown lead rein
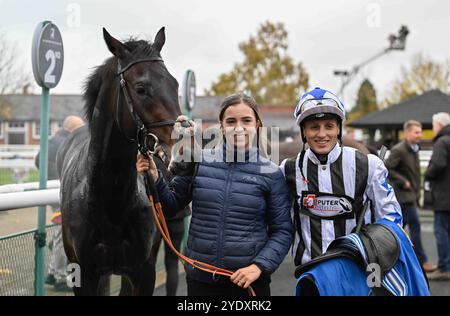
x=162 y=227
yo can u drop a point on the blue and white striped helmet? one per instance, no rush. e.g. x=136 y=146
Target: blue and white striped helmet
x=318 y=102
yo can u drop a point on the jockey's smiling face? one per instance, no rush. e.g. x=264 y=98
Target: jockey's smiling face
x=321 y=134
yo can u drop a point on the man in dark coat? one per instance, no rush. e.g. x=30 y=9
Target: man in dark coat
x=57 y=268
x=438 y=173
x=404 y=174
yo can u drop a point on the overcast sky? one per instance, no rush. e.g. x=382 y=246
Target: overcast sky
x=203 y=35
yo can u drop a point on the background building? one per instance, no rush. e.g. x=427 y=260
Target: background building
x=389 y=121
x=21 y=125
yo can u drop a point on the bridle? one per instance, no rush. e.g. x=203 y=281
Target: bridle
x=142 y=132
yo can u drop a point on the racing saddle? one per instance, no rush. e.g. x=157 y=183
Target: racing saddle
x=379 y=246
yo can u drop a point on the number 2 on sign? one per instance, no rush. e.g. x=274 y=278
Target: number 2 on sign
x=49 y=77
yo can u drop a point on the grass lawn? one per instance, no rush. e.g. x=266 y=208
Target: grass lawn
x=7 y=176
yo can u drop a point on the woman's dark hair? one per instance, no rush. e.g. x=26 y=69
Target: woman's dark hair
x=238 y=98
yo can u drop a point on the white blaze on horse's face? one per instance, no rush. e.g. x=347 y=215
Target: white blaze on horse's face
x=153 y=91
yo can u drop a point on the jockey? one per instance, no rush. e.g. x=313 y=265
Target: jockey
x=329 y=182
x=331 y=185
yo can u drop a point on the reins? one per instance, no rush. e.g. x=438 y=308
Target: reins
x=162 y=227
x=142 y=134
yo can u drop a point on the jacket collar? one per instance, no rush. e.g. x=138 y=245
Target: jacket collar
x=231 y=155
x=410 y=147
x=444 y=131
x=62 y=132
x=333 y=155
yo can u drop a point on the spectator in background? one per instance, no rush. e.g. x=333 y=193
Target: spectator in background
x=58 y=261
x=349 y=140
x=438 y=173
x=349 y=134
x=175 y=225
x=404 y=174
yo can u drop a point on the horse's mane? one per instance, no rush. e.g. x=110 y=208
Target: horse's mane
x=107 y=71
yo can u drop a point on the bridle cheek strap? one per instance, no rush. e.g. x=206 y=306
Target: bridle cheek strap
x=142 y=132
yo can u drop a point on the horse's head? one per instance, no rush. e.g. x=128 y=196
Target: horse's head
x=148 y=93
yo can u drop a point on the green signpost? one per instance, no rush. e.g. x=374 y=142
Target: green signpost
x=188 y=93
x=47 y=60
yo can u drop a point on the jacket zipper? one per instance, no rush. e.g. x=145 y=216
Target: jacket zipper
x=222 y=217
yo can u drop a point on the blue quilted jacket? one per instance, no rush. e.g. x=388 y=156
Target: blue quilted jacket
x=240 y=214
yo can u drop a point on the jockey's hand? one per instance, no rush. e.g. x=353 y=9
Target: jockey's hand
x=143 y=164
x=246 y=276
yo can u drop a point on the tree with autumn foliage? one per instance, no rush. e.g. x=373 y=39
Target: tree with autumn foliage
x=12 y=77
x=366 y=101
x=423 y=75
x=267 y=72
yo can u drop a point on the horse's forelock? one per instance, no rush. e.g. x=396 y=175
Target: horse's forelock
x=138 y=49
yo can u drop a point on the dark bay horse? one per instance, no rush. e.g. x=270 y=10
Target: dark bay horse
x=107 y=222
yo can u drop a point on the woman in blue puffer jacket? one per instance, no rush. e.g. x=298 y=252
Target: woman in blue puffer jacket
x=240 y=207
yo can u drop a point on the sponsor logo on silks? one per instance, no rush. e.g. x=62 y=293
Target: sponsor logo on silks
x=386 y=185
x=310 y=201
x=326 y=206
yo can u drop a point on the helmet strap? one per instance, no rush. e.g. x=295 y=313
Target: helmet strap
x=302 y=156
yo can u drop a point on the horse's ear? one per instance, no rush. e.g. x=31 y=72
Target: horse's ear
x=115 y=46
x=160 y=39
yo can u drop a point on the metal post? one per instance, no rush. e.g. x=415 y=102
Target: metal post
x=43 y=164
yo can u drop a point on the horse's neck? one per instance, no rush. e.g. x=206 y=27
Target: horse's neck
x=119 y=159
x=112 y=165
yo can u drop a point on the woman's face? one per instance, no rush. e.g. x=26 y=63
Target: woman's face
x=239 y=125
x=321 y=135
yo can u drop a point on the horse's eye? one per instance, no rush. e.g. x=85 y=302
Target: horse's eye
x=140 y=90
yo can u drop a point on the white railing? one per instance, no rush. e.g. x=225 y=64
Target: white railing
x=29 y=186
x=18 y=151
x=21 y=148
x=424 y=157
x=23 y=195
x=15 y=196
x=16 y=200
x=17 y=163
x=18 y=157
